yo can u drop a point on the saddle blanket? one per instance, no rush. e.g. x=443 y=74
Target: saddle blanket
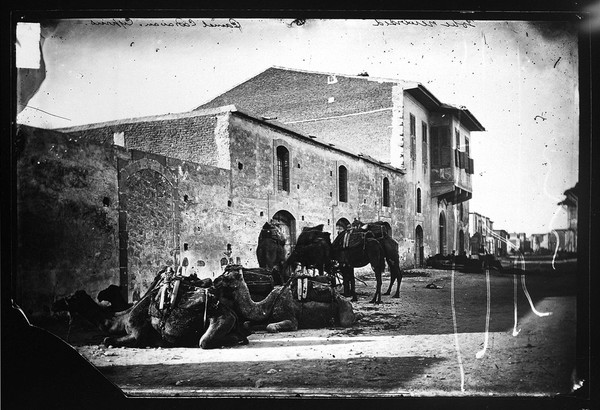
x=305 y=288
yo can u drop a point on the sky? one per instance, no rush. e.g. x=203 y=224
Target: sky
x=518 y=78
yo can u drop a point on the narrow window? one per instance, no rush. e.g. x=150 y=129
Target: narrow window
x=467 y=146
x=424 y=147
x=413 y=137
x=441 y=149
x=386 y=192
x=419 y=200
x=343 y=183
x=457 y=137
x=283 y=169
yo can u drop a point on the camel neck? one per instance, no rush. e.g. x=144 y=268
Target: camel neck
x=97 y=316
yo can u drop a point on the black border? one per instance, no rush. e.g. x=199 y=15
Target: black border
x=58 y=388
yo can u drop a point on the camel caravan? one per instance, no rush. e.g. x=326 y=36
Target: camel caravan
x=283 y=294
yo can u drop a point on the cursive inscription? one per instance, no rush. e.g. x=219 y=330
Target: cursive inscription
x=424 y=23
x=178 y=22
x=231 y=23
x=121 y=23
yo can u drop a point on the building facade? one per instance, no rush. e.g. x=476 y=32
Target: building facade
x=193 y=189
x=482 y=233
x=501 y=241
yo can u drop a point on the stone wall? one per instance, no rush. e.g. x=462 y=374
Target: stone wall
x=188 y=137
x=67 y=216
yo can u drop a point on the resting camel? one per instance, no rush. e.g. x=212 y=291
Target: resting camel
x=372 y=246
x=113 y=295
x=146 y=324
x=280 y=311
x=270 y=251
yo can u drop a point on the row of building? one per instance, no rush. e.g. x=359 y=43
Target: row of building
x=501 y=243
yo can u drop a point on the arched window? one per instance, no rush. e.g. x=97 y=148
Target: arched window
x=343 y=183
x=419 y=200
x=283 y=169
x=386 y=192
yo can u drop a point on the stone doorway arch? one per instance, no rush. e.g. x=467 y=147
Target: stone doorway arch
x=148 y=224
x=419 y=248
x=442 y=233
x=461 y=242
x=287 y=225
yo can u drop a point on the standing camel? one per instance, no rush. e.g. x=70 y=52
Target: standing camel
x=270 y=251
x=363 y=244
x=312 y=251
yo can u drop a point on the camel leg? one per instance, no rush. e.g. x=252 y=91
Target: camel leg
x=219 y=333
x=396 y=275
x=392 y=280
x=377 y=297
x=353 y=285
x=346 y=281
x=399 y=279
x=130 y=340
x=283 y=326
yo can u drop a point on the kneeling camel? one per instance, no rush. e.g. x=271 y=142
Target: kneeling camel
x=280 y=311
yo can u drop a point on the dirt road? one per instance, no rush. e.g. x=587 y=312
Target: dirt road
x=429 y=342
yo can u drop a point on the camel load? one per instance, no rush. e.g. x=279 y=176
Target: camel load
x=354 y=236
x=313 y=288
x=174 y=311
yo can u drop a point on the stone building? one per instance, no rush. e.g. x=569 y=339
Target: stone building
x=114 y=202
x=570 y=204
x=501 y=242
x=482 y=233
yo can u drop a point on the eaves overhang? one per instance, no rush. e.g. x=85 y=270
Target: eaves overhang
x=431 y=103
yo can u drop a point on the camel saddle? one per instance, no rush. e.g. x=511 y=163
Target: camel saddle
x=312 y=288
x=352 y=238
x=182 y=292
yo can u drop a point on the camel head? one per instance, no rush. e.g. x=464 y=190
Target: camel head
x=76 y=302
x=110 y=294
x=230 y=279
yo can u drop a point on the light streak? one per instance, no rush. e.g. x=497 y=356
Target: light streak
x=460 y=365
x=530 y=301
x=556 y=247
x=515 y=330
x=481 y=353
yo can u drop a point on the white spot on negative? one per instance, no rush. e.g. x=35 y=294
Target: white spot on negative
x=28 y=45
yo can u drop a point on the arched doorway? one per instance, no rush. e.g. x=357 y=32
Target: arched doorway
x=419 y=249
x=475 y=243
x=287 y=225
x=461 y=242
x=442 y=233
x=151 y=229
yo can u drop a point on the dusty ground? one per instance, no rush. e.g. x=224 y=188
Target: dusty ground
x=423 y=344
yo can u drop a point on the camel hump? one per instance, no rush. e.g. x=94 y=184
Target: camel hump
x=318 y=228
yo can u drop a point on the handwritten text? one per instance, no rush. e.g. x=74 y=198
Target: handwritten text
x=125 y=23
x=424 y=23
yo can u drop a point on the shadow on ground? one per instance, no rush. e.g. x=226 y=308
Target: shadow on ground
x=363 y=372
